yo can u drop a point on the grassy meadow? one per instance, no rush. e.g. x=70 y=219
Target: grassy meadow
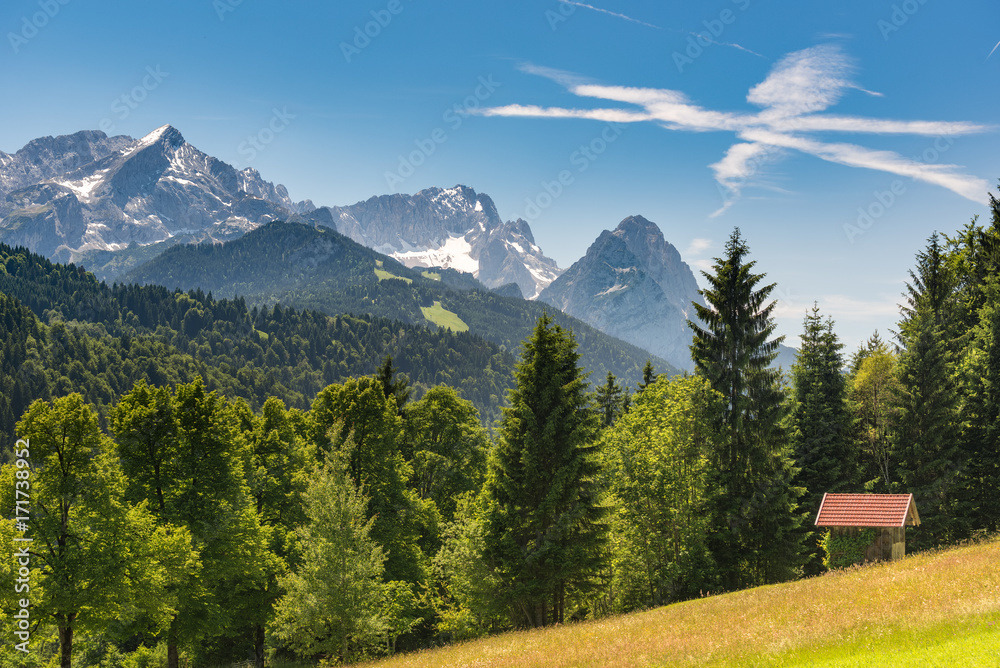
x=939 y=608
x=442 y=317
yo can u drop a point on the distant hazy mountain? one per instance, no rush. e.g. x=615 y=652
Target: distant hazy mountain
x=453 y=228
x=67 y=195
x=633 y=285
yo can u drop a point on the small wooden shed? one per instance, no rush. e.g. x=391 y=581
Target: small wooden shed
x=888 y=514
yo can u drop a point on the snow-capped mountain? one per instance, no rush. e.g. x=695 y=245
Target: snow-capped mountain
x=66 y=195
x=632 y=284
x=453 y=228
x=89 y=191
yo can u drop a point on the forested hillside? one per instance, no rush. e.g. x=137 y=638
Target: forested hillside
x=318 y=268
x=65 y=332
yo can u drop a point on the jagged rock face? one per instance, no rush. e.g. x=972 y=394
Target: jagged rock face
x=632 y=284
x=399 y=223
x=127 y=191
x=453 y=228
x=48 y=157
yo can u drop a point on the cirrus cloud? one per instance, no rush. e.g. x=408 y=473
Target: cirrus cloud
x=790 y=99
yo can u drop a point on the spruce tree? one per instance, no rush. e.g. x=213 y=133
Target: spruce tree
x=610 y=400
x=758 y=537
x=926 y=441
x=821 y=423
x=648 y=376
x=981 y=412
x=543 y=525
x=394 y=384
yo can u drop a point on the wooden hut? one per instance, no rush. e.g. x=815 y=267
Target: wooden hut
x=888 y=514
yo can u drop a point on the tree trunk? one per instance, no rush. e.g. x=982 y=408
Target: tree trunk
x=172 y=660
x=66 y=644
x=258 y=645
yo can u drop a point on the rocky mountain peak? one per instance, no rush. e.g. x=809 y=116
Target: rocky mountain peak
x=166 y=135
x=125 y=190
x=632 y=284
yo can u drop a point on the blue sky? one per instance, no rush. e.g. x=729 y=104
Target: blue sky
x=837 y=136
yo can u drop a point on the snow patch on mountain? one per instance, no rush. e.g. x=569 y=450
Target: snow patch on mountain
x=455 y=253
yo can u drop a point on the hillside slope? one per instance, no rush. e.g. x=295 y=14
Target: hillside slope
x=317 y=268
x=934 y=609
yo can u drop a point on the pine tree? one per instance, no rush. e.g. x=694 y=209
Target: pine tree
x=758 y=537
x=926 y=440
x=821 y=423
x=544 y=527
x=610 y=400
x=981 y=412
x=398 y=387
x=648 y=375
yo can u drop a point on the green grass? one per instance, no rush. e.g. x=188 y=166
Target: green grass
x=433 y=275
x=384 y=275
x=971 y=642
x=938 y=608
x=442 y=317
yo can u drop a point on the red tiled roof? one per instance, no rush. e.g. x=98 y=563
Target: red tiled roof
x=867 y=510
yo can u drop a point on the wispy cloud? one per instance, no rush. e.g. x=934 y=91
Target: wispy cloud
x=697 y=246
x=790 y=100
x=605 y=11
x=994 y=49
x=843 y=308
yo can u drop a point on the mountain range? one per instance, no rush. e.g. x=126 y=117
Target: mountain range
x=453 y=228
x=116 y=203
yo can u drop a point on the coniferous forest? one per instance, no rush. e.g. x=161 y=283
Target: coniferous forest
x=207 y=482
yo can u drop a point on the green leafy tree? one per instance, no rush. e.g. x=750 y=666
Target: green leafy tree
x=872 y=388
x=184 y=455
x=821 y=424
x=926 y=441
x=95 y=557
x=544 y=526
x=277 y=472
x=758 y=537
x=449 y=447
x=334 y=598
x=360 y=406
x=657 y=460
x=465 y=600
